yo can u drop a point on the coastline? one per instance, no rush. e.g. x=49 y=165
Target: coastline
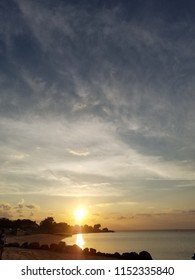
x=33 y=254
x=16 y=253
x=43 y=238
x=51 y=247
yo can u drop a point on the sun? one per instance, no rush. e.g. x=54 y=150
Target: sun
x=80 y=214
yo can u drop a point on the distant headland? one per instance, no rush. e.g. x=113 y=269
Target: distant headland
x=49 y=226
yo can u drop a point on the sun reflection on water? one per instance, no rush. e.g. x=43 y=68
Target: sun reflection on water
x=80 y=241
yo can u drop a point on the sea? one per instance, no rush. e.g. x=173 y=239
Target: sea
x=162 y=245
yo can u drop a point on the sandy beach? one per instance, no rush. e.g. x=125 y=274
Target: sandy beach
x=11 y=253
x=41 y=238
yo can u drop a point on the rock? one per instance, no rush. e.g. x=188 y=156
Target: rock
x=76 y=249
x=44 y=247
x=34 y=245
x=24 y=245
x=144 y=255
x=73 y=249
x=86 y=251
x=61 y=246
x=130 y=256
x=53 y=247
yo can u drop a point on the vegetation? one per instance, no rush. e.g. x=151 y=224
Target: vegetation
x=48 y=225
x=22 y=224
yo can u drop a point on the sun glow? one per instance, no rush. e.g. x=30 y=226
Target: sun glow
x=80 y=214
x=80 y=241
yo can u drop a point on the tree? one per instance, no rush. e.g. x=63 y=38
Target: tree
x=47 y=225
x=5 y=223
x=23 y=224
x=61 y=227
x=97 y=227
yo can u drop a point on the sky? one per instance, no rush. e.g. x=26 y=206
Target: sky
x=97 y=110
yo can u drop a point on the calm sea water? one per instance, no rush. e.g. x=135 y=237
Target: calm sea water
x=162 y=245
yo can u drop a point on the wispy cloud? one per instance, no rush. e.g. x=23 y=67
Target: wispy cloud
x=32 y=206
x=80 y=153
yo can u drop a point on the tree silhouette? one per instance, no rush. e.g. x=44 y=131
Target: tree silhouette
x=47 y=224
x=97 y=227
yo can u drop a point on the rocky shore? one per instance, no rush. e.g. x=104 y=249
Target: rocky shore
x=46 y=246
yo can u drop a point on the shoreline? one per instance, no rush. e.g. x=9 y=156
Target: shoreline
x=51 y=247
x=41 y=238
x=33 y=254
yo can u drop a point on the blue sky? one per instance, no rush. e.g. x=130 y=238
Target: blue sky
x=97 y=109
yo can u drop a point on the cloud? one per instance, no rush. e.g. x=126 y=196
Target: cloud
x=145 y=215
x=20 y=204
x=11 y=210
x=110 y=163
x=32 y=206
x=123 y=218
x=17 y=156
x=120 y=203
x=80 y=153
x=5 y=207
x=95 y=102
x=6 y=210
